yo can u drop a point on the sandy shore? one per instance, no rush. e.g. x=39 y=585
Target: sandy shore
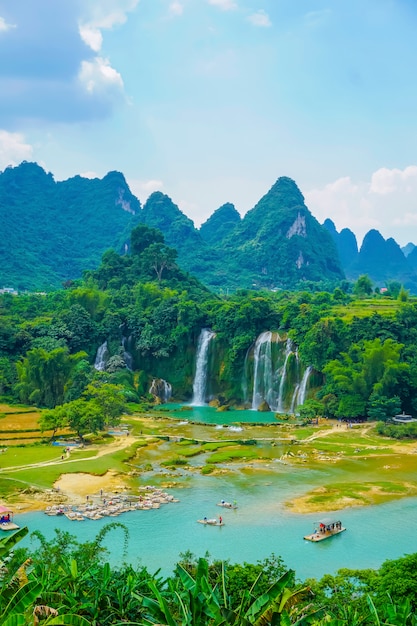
x=69 y=489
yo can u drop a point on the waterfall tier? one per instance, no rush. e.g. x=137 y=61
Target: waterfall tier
x=279 y=380
x=161 y=390
x=202 y=358
x=101 y=357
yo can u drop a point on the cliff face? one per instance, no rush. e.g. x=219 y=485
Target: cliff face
x=281 y=243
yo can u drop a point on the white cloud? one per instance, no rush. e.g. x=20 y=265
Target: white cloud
x=98 y=75
x=91 y=36
x=143 y=188
x=387 y=202
x=176 y=8
x=386 y=181
x=260 y=18
x=224 y=5
x=13 y=149
x=104 y=14
x=4 y=25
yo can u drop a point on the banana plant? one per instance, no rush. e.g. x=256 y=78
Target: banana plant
x=188 y=602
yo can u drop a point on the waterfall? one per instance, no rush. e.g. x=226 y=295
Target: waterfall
x=288 y=351
x=161 y=389
x=294 y=397
x=128 y=358
x=303 y=386
x=263 y=373
x=101 y=357
x=276 y=374
x=200 y=378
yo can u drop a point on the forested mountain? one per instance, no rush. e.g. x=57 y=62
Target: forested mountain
x=280 y=244
x=194 y=254
x=52 y=231
x=346 y=244
x=219 y=225
x=381 y=259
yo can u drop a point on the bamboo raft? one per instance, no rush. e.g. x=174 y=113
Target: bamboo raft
x=324 y=529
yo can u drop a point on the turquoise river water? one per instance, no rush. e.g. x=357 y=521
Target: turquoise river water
x=261 y=525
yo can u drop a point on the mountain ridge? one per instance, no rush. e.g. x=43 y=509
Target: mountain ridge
x=54 y=231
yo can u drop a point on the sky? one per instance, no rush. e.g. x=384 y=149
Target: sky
x=210 y=101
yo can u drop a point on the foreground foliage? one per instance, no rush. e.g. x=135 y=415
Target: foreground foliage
x=64 y=582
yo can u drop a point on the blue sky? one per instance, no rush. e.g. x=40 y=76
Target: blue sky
x=210 y=101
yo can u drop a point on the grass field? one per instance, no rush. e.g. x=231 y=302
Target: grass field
x=352 y=466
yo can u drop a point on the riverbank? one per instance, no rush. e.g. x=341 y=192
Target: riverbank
x=351 y=467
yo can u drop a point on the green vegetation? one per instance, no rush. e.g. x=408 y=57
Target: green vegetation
x=199 y=592
x=364 y=363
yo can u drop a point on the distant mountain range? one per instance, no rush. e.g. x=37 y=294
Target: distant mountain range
x=381 y=259
x=52 y=231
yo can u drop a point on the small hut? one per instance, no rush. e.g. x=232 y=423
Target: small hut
x=403 y=419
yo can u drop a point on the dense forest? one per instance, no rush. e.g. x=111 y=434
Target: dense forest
x=52 y=231
x=75 y=578
x=358 y=344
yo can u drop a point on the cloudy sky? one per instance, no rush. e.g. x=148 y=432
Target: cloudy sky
x=210 y=101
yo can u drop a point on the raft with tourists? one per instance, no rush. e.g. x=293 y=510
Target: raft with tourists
x=227 y=505
x=212 y=521
x=325 y=528
x=6 y=519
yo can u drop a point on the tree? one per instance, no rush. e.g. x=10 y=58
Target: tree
x=108 y=399
x=144 y=236
x=311 y=409
x=394 y=288
x=43 y=375
x=53 y=419
x=381 y=408
x=363 y=286
x=369 y=367
x=83 y=417
x=159 y=257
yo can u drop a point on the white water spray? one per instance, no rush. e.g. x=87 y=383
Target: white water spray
x=200 y=378
x=101 y=357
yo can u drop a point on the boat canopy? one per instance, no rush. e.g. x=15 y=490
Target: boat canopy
x=4 y=509
x=327 y=521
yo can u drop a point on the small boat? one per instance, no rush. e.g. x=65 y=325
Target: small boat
x=6 y=519
x=227 y=505
x=325 y=528
x=211 y=522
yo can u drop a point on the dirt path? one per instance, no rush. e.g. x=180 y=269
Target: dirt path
x=71 y=488
x=124 y=442
x=340 y=429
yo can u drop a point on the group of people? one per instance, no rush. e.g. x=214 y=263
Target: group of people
x=5 y=519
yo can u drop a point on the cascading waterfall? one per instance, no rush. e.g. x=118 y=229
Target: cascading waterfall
x=200 y=378
x=128 y=358
x=101 y=357
x=294 y=397
x=161 y=389
x=303 y=386
x=288 y=352
x=263 y=374
x=276 y=374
